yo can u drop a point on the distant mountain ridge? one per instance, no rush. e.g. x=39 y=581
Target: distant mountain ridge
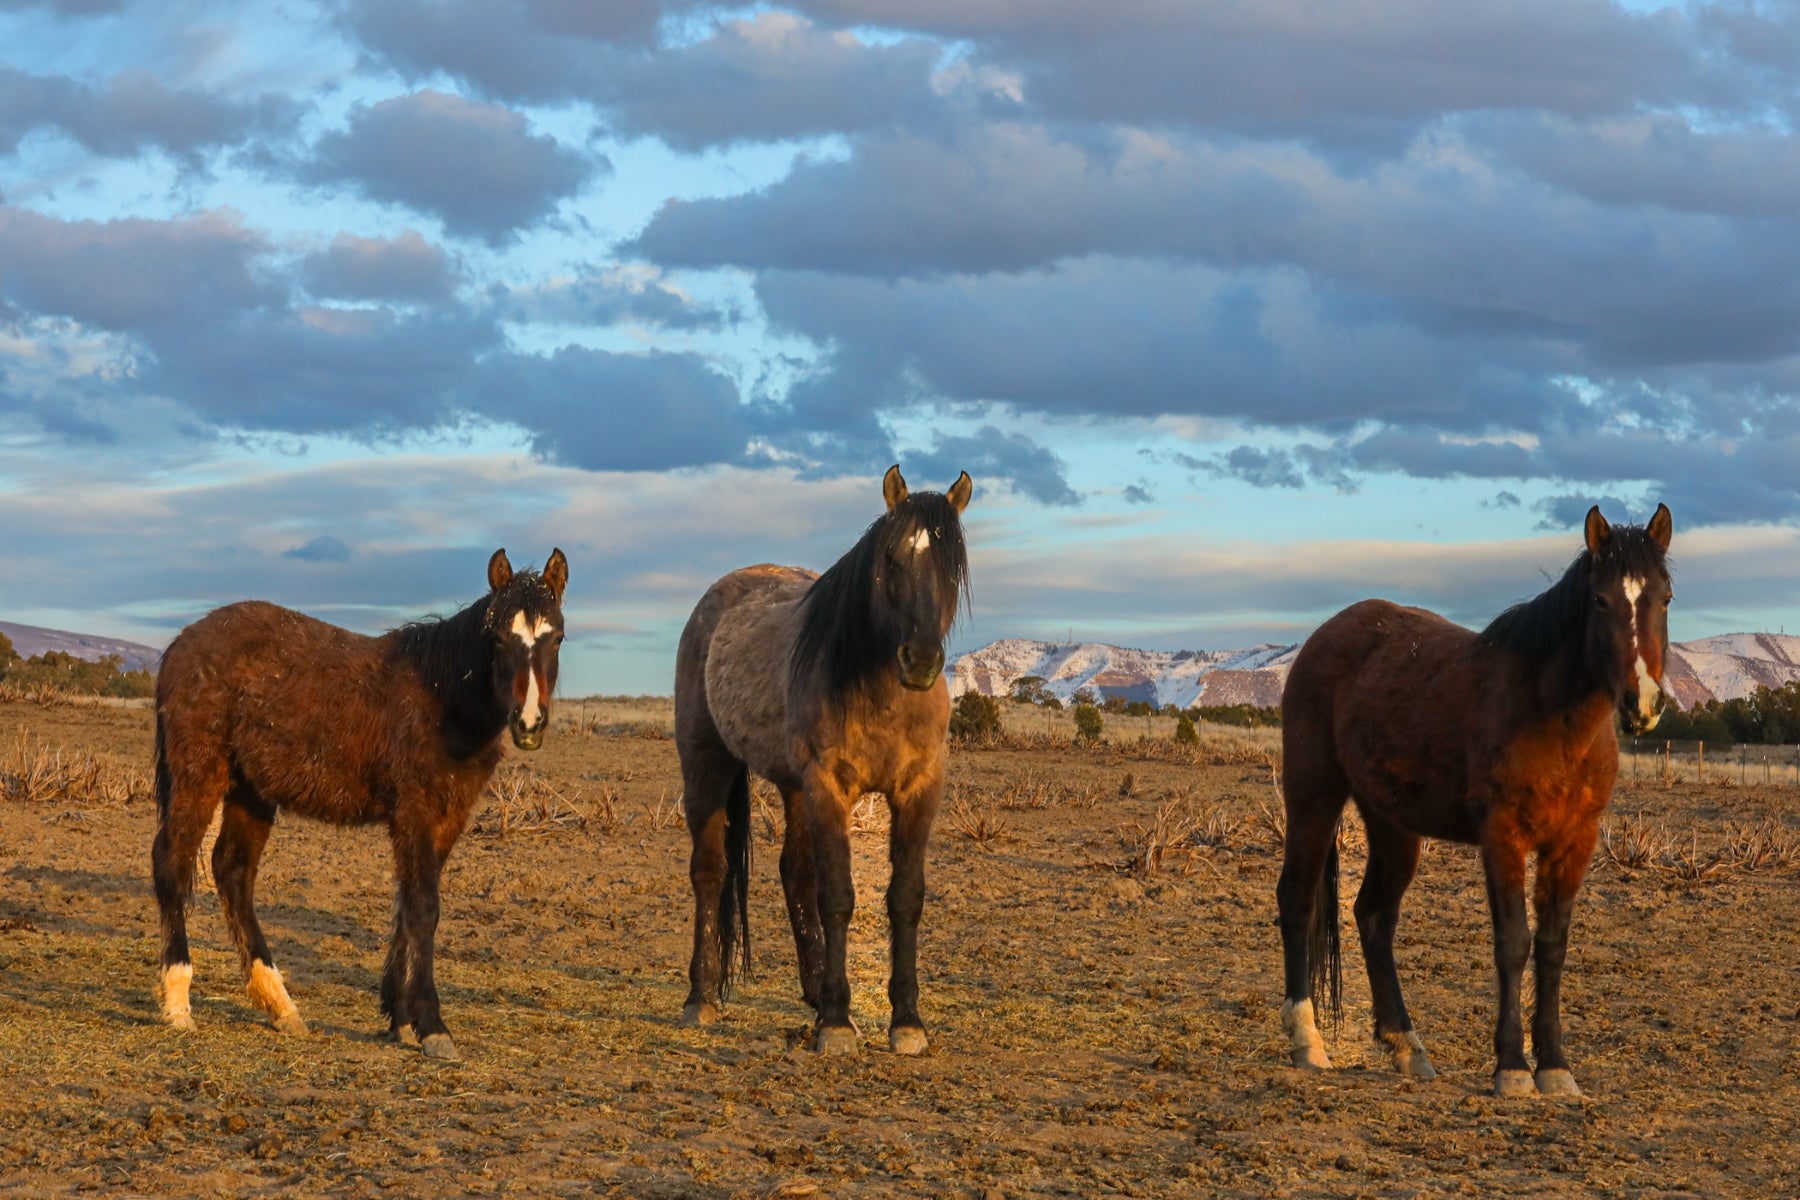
x=1723 y=667
x=32 y=640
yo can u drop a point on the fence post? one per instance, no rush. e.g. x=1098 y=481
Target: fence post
x=1700 y=765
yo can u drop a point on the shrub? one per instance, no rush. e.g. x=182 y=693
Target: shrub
x=1185 y=733
x=974 y=717
x=1088 y=722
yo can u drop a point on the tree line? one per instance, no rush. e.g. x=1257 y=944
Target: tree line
x=1767 y=716
x=65 y=672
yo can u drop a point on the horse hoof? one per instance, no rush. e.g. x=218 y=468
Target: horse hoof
x=291 y=1024
x=907 y=1039
x=440 y=1047
x=1514 y=1083
x=406 y=1035
x=1409 y=1056
x=1557 y=1081
x=1311 y=1058
x=701 y=1014
x=181 y=1020
x=837 y=1039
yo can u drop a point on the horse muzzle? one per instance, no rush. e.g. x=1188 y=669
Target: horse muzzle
x=528 y=737
x=920 y=666
x=1638 y=713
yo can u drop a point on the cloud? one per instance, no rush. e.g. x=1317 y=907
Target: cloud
x=132 y=113
x=401 y=268
x=475 y=166
x=597 y=296
x=603 y=411
x=322 y=549
x=519 y=49
x=1357 y=71
x=993 y=453
x=768 y=77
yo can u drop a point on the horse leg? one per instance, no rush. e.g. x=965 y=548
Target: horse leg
x=186 y=800
x=1503 y=861
x=419 y=861
x=1315 y=799
x=707 y=780
x=800 y=885
x=1393 y=860
x=909 y=827
x=243 y=832
x=1559 y=877
x=394 y=974
x=828 y=809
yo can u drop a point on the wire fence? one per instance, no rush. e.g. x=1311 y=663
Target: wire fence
x=1657 y=760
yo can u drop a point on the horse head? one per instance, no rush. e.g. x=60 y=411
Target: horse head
x=1628 y=621
x=525 y=624
x=920 y=573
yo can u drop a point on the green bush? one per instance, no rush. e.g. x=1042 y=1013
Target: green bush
x=974 y=718
x=1088 y=722
x=67 y=673
x=1185 y=732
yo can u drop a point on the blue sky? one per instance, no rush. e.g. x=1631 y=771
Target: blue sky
x=1235 y=313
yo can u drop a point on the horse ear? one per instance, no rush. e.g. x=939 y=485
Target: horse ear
x=556 y=575
x=1598 y=531
x=499 y=571
x=959 y=492
x=893 y=487
x=1661 y=527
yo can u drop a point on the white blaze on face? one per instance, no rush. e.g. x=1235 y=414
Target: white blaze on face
x=530 y=712
x=921 y=542
x=1648 y=688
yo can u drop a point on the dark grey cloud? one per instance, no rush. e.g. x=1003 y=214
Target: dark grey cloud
x=133 y=112
x=475 y=166
x=1138 y=338
x=518 y=49
x=593 y=296
x=993 y=453
x=322 y=549
x=1363 y=70
x=1659 y=159
x=766 y=78
x=603 y=411
x=1261 y=468
x=400 y=268
x=73 y=8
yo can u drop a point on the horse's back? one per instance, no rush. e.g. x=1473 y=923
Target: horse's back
x=731 y=666
x=1382 y=701
x=284 y=702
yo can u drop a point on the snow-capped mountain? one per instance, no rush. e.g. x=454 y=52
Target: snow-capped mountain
x=1180 y=677
x=1723 y=667
x=31 y=640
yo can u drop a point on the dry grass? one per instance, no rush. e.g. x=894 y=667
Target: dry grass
x=618 y=716
x=43 y=694
x=1638 y=844
x=978 y=823
x=524 y=802
x=33 y=773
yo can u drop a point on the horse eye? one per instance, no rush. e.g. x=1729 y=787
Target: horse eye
x=1600 y=603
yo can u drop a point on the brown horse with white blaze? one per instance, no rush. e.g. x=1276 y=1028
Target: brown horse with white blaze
x=261 y=709
x=1503 y=739
x=828 y=686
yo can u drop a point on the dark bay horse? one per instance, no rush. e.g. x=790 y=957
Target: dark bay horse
x=262 y=709
x=828 y=686
x=1502 y=739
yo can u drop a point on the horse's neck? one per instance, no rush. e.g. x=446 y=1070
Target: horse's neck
x=1574 y=691
x=456 y=663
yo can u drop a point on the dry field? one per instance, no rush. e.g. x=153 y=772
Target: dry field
x=1100 y=969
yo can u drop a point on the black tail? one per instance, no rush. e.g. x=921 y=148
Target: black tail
x=1322 y=951
x=734 y=899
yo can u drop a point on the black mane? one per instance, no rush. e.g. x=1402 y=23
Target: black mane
x=1538 y=628
x=838 y=633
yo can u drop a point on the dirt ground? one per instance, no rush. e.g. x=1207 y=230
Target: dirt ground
x=1095 y=1031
